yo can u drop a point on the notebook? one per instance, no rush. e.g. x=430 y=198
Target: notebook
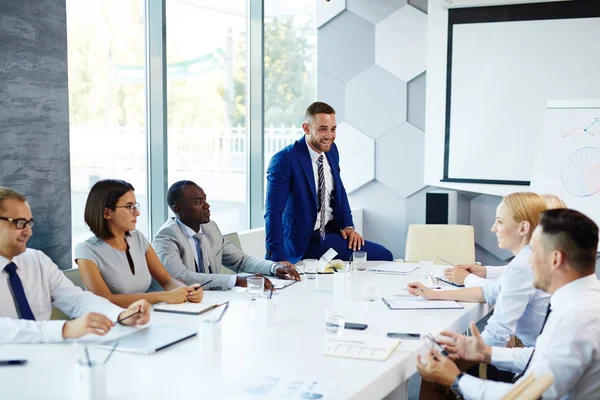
x=185 y=308
x=418 y=303
x=371 y=349
x=395 y=268
x=150 y=339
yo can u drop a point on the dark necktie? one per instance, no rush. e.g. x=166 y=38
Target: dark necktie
x=18 y=293
x=321 y=195
x=518 y=376
x=200 y=263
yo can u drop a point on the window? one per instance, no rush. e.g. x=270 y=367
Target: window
x=206 y=108
x=290 y=65
x=106 y=45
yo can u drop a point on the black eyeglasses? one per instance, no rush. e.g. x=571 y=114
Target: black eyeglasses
x=433 y=344
x=131 y=207
x=20 y=222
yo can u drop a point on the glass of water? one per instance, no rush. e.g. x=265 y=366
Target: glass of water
x=426 y=268
x=334 y=322
x=256 y=285
x=359 y=260
x=310 y=268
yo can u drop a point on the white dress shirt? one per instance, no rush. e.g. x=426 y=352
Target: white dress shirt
x=189 y=232
x=519 y=309
x=314 y=156
x=569 y=349
x=44 y=285
x=492 y=272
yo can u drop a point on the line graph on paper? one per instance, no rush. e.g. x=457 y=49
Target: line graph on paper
x=580 y=172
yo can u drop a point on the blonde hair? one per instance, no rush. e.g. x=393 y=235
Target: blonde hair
x=6 y=194
x=553 y=201
x=525 y=206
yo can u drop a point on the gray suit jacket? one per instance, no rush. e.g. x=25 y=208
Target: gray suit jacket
x=177 y=255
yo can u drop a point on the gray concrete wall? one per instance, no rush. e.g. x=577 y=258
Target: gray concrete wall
x=34 y=118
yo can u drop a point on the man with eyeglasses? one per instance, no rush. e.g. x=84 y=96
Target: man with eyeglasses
x=563 y=259
x=30 y=284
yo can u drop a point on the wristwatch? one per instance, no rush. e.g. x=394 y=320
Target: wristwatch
x=455 y=389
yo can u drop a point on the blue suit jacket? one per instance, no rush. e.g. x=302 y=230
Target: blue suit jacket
x=291 y=207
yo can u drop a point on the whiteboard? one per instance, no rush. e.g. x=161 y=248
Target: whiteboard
x=568 y=157
x=502 y=74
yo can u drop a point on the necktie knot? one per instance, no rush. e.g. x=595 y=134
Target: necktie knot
x=11 y=268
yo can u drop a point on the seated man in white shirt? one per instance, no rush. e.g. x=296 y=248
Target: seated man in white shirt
x=193 y=250
x=563 y=258
x=30 y=284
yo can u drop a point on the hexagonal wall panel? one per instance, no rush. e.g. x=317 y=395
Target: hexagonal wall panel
x=357 y=156
x=483 y=215
x=332 y=91
x=416 y=101
x=327 y=10
x=401 y=43
x=400 y=159
x=375 y=102
x=419 y=4
x=346 y=46
x=384 y=216
x=374 y=11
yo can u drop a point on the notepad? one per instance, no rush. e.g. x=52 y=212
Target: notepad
x=373 y=349
x=185 y=308
x=395 y=268
x=419 y=303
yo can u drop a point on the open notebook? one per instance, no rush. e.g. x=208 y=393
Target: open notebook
x=185 y=308
x=370 y=349
x=409 y=302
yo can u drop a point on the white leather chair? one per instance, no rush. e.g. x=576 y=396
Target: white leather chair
x=530 y=388
x=235 y=240
x=75 y=277
x=454 y=243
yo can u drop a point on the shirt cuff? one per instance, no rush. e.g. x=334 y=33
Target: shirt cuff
x=53 y=331
x=473 y=280
x=275 y=267
x=502 y=358
x=470 y=387
x=232 y=281
x=494 y=272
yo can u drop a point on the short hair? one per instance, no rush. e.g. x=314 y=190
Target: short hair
x=104 y=194
x=525 y=206
x=315 y=108
x=175 y=191
x=572 y=233
x=6 y=194
x=553 y=201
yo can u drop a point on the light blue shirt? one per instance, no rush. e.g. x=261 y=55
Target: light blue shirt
x=520 y=308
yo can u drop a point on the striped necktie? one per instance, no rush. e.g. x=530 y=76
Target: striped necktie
x=321 y=195
x=16 y=287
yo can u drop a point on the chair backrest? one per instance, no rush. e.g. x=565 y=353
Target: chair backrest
x=454 y=243
x=75 y=277
x=234 y=239
x=530 y=388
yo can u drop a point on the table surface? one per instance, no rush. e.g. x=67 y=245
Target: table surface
x=282 y=337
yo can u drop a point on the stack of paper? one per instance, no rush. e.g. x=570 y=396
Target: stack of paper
x=395 y=268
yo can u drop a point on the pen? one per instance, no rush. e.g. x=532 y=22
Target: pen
x=447 y=262
x=87 y=355
x=204 y=284
x=271 y=294
x=111 y=352
x=224 y=311
x=129 y=316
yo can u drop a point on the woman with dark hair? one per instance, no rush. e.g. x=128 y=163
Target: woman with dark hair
x=118 y=262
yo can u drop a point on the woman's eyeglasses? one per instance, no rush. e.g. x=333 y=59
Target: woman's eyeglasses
x=131 y=207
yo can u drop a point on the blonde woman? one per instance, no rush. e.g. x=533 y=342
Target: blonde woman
x=472 y=275
x=520 y=308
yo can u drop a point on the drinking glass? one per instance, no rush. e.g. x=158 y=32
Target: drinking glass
x=426 y=269
x=334 y=322
x=359 y=260
x=255 y=286
x=310 y=268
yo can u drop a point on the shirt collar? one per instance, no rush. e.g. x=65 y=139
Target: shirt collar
x=3 y=263
x=564 y=295
x=189 y=232
x=314 y=156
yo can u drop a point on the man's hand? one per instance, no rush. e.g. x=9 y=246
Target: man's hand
x=355 y=241
x=456 y=275
x=287 y=271
x=243 y=282
x=195 y=293
x=418 y=289
x=97 y=324
x=469 y=348
x=437 y=368
x=474 y=269
x=140 y=319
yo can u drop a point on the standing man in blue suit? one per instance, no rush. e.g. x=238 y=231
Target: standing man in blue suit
x=307 y=210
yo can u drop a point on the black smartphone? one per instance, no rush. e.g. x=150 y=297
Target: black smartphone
x=352 y=325
x=396 y=335
x=12 y=362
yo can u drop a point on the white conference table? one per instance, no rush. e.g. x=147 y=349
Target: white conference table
x=282 y=337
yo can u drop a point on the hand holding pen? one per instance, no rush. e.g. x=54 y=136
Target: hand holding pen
x=418 y=289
